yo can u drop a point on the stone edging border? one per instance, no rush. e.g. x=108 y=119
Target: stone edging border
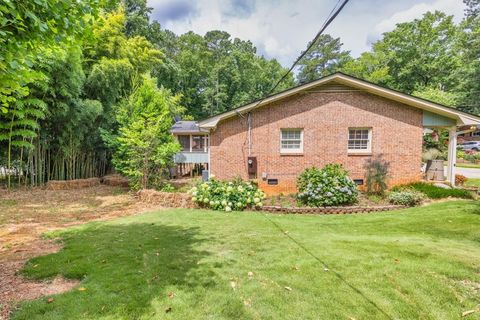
x=329 y=210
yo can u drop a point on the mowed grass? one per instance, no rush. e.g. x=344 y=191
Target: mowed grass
x=473 y=182
x=419 y=263
x=468 y=165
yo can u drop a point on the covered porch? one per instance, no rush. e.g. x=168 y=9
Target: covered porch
x=194 y=155
x=464 y=124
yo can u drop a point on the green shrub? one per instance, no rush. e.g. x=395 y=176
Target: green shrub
x=406 y=197
x=434 y=192
x=469 y=157
x=376 y=174
x=433 y=154
x=460 y=154
x=328 y=186
x=227 y=195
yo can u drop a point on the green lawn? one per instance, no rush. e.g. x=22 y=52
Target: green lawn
x=419 y=263
x=468 y=165
x=473 y=182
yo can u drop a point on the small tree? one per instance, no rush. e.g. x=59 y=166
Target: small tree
x=376 y=175
x=145 y=146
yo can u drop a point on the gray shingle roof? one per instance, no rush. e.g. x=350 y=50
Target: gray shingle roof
x=185 y=127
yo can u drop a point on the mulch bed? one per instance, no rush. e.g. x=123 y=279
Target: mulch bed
x=16 y=288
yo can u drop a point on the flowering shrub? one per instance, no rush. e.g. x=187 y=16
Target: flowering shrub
x=406 y=197
x=227 y=195
x=460 y=180
x=328 y=186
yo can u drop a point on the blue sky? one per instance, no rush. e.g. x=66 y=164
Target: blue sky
x=281 y=29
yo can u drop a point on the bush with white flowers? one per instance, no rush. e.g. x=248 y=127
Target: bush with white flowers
x=329 y=186
x=229 y=196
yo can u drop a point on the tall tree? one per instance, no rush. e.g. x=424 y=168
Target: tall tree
x=145 y=146
x=25 y=27
x=470 y=72
x=325 y=57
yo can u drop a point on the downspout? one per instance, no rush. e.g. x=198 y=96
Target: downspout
x=249 y=121
x=208 y=154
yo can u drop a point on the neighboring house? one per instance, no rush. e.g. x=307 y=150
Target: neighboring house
x=470 y=136
x=337 y=118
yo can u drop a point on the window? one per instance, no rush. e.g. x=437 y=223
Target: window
x=198 y=143
x=291 y=141
x=359 y=140
x=184 y=142
x=193 y=143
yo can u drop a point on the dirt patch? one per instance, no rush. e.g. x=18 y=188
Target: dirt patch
x=26 y=214
x=72 y=184
x=15 y=287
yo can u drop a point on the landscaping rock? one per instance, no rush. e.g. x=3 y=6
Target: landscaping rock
x=442 y=185
x=329 y=210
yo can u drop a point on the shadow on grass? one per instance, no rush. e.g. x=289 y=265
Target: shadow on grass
x=122 y=267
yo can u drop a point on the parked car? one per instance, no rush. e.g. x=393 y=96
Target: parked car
x=470 y=146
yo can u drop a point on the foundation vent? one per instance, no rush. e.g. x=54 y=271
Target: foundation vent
x=333 y=87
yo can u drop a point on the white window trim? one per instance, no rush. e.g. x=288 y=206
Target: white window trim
x=292 y=151
x=369 y=144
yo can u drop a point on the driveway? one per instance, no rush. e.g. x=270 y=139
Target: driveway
x=467 y=172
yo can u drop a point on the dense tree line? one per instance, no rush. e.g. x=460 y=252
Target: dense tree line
x=78 y=79
x=431 y=57
x=91 y=86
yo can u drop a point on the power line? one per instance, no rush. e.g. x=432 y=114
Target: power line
x=329 y=20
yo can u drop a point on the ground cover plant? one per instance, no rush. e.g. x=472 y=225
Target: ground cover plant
x=434 y=192
x=406 y=197
x=418 y=263
x=329 y=186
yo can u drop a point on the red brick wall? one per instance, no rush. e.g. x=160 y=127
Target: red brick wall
x=325 y=118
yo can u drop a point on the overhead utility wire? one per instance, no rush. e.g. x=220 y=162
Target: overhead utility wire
x=329 y=20
x=317 y=36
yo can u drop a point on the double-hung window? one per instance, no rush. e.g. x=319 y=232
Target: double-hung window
x=359 y=140
x=291 y=141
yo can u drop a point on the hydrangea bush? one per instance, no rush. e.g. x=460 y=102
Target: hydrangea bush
x=329 y=186
x=233 y=195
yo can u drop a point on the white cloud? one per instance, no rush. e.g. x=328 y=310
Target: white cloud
x=281 y=29
x=455 y=8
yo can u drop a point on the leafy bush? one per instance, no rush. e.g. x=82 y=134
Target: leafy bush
x=433 y=154
x=376 y=175
x=406 y=197
x=460 y=180
x=328 y=186
x=470 y=157
x=460 y=154
x=227 y=195
x=434 y=192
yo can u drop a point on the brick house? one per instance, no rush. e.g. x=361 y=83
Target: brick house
x=337 y=118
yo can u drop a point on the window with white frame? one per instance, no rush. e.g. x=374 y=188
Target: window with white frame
x=291 y=141
x=359 y=140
